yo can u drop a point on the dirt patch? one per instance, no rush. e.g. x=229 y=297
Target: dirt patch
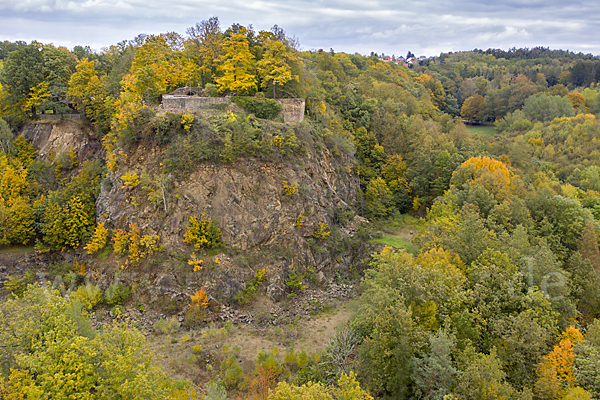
x=177 y=356
x=307 y=333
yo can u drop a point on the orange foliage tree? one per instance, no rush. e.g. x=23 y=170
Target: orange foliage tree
x=197 y=308
x=555 y=372
x=578 y=100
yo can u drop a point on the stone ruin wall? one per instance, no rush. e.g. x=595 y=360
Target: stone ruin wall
x=292 y=109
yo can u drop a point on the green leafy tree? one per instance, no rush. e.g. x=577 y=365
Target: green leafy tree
x=587 y=360
x=473 y=109
x=434 y=373
x=378 y=197
x=561 y=220
x=482 y=378
x=52 y=351
x=6 y=137
x=59 y=65
x=542 y=107
x=22 y=70
x=521 y=341
x=590 y=178
x=403 y=298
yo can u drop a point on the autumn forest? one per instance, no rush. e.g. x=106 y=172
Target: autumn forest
x=433 y=228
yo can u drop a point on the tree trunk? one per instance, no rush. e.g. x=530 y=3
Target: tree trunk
x=162 y=186
x=274 y=96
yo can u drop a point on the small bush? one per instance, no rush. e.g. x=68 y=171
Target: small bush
x=133 y=244
x=263 y=316
x=213 y=333
x=71 y=279
x=231 y=373
x=88 y=295
x=300 y=221
x=98 y=239
x=202 y=233
x=342 y=216
x=246 y=295
x=211 y=90
x=266 y=109
x=290 y=189
x=18 y=284
x=130 y=180
x=59 y=269
x=195 y=262
x=294 y=281
x=117 y=293
x=214 y=391
x=290 y=359
x=166 y=327
x=118 y=311
x=192 y=359
x=196 y=311
x=120 y=241
x=197 y=349
x=322 y=232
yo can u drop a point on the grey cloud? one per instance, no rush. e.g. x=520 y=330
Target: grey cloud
x=389 y=26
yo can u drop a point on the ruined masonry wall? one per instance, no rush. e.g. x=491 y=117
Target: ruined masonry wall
x=292 y=109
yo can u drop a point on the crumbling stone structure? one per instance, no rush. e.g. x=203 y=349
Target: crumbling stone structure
x=189 y=98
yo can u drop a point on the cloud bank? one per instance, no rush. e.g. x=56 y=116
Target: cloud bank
x=425 y=27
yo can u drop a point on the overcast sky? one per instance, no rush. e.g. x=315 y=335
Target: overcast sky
x=425 y=27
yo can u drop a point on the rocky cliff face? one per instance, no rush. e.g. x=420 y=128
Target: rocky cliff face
x=246 y=198
x=52 y=138
x=256 y=216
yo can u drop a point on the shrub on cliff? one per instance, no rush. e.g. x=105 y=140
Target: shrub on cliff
x=267 y=109
x=202 y=233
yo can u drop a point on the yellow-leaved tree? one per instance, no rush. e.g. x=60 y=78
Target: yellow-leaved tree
x=53 y=352
x=159 y=66
x=20 y=222
x=13 y=180
x=67 y=225
x=473 y=109
x=236 y=64
x=205 y=46
x=347 y=388
x=98 y=239
x=492 y=174
x=85 y=89
x=274 y=67
x=38 y=94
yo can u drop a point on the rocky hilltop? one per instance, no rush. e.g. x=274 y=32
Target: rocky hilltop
x=268 y=211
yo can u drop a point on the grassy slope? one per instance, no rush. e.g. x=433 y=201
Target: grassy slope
x=399 y=233
x=487 y=131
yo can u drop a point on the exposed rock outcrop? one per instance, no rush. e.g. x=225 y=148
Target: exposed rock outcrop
x=53 y=138
x=254 y=213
